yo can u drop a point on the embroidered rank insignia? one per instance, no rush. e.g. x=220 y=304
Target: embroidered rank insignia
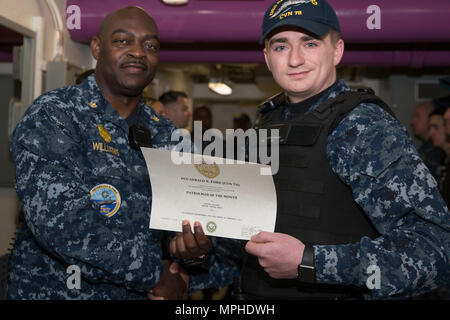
x=107 y=197
x=104 y=133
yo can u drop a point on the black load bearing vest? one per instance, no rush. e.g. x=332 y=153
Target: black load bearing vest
x=313 y=204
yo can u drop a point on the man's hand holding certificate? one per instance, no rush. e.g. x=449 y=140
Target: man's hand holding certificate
x=229 y=200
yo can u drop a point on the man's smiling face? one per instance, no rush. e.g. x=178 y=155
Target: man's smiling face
x=127 y=51
x=302 y=64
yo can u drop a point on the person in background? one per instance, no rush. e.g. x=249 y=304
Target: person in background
x=204 y=115
x=437 y=136
x=155 y=104
x=432 y=156
x=445 y=102
x=437 y=130
x=176 y=107
x=443 y=293
x=241 y=121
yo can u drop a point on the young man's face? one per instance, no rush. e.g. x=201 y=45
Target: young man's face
x=302 y=64
x=436 y=131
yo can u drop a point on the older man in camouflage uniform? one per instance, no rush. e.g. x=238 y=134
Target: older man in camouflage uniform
x=359 y=214
x=84 y=186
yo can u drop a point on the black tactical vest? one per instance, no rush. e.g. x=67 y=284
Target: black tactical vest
x=313 y=204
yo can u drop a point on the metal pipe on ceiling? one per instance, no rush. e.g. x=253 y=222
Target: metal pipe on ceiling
x=209 y=22
x=232 y=20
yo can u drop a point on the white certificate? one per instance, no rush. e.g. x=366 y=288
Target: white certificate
x=229 y=200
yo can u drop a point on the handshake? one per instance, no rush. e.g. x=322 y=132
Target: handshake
x=191 y=247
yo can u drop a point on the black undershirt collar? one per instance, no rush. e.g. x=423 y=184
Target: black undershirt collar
x=133 y=118
x=303 y=106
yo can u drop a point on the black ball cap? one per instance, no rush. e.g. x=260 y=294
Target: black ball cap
x=315 y=16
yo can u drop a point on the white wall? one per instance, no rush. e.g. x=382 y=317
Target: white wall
x=22 y=13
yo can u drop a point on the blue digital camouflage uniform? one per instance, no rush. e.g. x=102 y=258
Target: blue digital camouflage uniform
x=69 y=142
x=373 y=154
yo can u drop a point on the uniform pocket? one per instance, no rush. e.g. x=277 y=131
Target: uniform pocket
x=104 y=160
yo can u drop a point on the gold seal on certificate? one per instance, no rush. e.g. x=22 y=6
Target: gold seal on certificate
x=208 y=170
x=229 y=200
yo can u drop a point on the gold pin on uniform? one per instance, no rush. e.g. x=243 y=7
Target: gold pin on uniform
x=92 y=104
x=104 y=133
x=156 y=118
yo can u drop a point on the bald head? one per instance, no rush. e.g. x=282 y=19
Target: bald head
x=419 y=122
x=123 y=13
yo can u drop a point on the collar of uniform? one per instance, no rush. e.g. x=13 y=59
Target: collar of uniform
x=336 y=89
x=94 y=97
x=150 y=117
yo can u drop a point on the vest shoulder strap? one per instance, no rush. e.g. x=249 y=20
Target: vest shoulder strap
x=346 y=102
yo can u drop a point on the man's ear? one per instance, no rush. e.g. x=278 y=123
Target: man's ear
x=267 y=59
x=338 y=52
x=95 y=47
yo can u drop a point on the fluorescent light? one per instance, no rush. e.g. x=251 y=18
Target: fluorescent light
x=220 y=87
x=175 y=2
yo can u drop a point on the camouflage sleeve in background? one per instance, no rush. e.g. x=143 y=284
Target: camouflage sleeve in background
x=373 y=154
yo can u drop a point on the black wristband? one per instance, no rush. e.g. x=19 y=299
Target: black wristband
x=194 y=261
x=306 y=268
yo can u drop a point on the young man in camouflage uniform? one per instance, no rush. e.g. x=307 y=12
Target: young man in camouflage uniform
x=359 y=214
x=83 y=182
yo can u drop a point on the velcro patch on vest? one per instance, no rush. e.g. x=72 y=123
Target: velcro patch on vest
x=294 y=161
x=309 y=186
x=291 y=207
x=283 y=133
x=303 y=135
x=296 y=135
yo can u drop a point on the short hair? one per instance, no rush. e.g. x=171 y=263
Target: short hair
x=443 y=102
x=206 y=108
x=241 y=117
x=171 y=97
x=439 y=111
x=335 y=36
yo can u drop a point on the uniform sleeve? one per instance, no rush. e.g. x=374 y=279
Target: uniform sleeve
x=51 y=185
x=225 y=265
x=373 y=154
